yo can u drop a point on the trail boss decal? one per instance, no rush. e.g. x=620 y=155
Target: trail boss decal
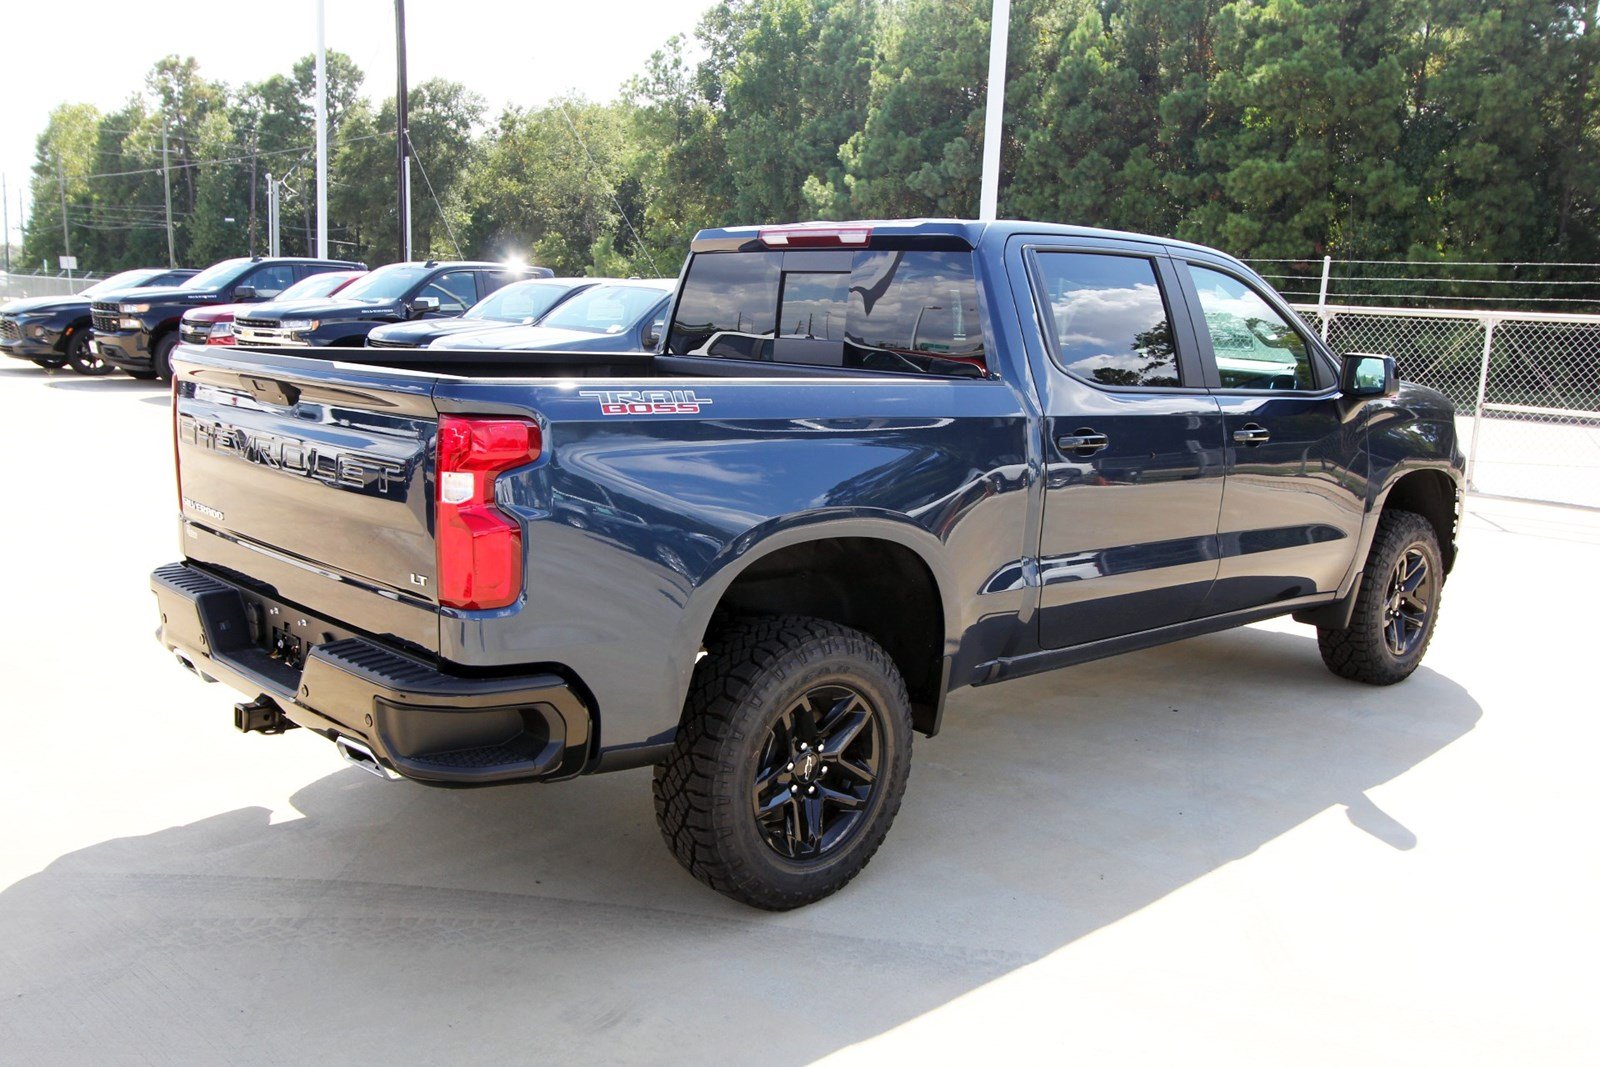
x=648 y=401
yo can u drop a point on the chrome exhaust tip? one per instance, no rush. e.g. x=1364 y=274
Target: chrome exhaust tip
x=359 y=754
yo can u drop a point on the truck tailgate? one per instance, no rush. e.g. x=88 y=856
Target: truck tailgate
x=315 y=478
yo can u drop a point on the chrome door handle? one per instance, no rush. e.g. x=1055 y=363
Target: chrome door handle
x=1082 y=443
x=1251 y=434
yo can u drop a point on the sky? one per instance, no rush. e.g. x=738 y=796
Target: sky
x=508 y=52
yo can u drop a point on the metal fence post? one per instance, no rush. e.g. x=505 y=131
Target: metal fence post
x=1322 y=296
x=1483 y=386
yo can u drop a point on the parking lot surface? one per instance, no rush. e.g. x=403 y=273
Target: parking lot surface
x=1212 y=851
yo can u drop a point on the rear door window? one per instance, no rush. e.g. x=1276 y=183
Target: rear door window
x=911 y=312
x=1107 y=319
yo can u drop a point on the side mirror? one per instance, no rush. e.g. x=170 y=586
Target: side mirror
x=1368 y=374
x=652 y=333
x=424 y=304
x=244 y=294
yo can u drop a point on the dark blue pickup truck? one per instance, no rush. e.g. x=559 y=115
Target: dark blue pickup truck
x=868 y=465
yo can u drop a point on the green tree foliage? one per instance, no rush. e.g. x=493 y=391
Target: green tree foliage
x=1429 y=129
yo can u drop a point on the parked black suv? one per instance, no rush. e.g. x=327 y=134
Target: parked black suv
x=54 y=331
x=396 y=293
x=138 y=334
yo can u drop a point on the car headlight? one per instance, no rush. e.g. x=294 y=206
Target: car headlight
x=221 y=329
x=299 y=324
x=133 y=309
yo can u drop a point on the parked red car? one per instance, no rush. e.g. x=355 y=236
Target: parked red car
x=214 y=325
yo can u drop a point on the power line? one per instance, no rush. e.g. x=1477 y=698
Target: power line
x=429 y=183
x=638 y=242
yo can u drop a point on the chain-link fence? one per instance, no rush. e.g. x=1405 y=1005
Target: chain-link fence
x=1526 y=387
x=15 y=286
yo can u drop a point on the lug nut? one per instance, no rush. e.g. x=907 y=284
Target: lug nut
x=794 y=789
x=789 y=767
x=824 y=769
x=804 y=746
x=810 y=789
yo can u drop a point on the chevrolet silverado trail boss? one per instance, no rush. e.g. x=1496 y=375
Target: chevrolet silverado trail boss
x=868 y=465
x=137 y=333
x=398 y=292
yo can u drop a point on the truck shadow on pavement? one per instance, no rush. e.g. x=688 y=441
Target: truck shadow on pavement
x=476 y=925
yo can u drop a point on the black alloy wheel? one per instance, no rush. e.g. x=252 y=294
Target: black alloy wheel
x=83 y=358
x=1396 y=606
x=817 y=772
x=790 y=762
x=1409 y=604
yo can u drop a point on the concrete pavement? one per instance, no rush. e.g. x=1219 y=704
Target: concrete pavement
x=1213 y=851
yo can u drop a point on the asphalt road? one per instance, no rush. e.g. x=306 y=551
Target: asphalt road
x=1213 y=851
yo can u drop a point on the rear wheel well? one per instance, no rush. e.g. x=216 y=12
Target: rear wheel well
x=1432 y=495
x=879 y=587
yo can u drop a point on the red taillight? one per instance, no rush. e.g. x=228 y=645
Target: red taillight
x=816 y=236
x=480 y=546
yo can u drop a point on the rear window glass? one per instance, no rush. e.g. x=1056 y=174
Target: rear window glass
x=906 y=311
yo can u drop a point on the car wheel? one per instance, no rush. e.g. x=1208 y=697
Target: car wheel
x=82 y=357
x=790 y=762
x=1396 y=606
x=161 y=356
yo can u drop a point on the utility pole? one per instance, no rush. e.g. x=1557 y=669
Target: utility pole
x=166 y=188
x=402 y=138
x=61 y=183
x=5 y=209
x=994 y=110
x=322 y=132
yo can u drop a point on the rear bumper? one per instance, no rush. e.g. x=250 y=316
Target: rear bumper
x=125 y=349
x=420 y=721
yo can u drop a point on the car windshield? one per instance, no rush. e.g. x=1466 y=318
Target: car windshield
x=518 y=302
x=386 y=283
x=217 y=275
x=604 y=309
x=317 y=285
x=127 y=279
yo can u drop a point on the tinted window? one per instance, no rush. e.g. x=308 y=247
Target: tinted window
x=907 y=311
x=1256 y=348
x=1109 y=323
x=456 y=290
x=271 y=280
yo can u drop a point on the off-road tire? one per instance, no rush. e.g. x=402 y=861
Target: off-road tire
x=161 y=357
x=1360 y=651
x=81 y=355
x=754 y=672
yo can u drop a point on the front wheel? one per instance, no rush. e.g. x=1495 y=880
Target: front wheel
x=790 y=763
x=161 y=357
x=82 y=357
x=1396 y=607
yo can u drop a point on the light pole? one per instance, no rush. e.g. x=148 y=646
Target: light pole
x=322 y=131
x=994 y=110
x=402 y=138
